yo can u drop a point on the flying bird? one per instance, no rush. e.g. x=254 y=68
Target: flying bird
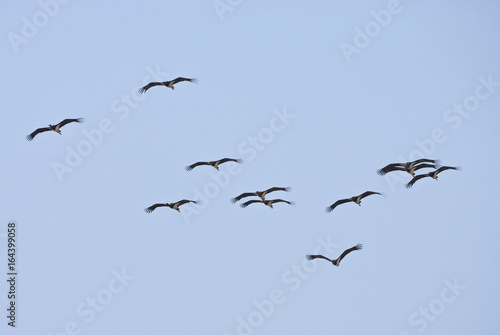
x=56 y=128
x=260 y=194
x=265 y=202
x=411 y=169
x=355 y=199
x=215 y=164
x=169 y=84
x=174 y=205
x=335 y=262
x=433 y=175
x=407 y=166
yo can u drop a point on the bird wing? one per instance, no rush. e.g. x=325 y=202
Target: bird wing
x=367 y=193
x=443 y=168
x=192 y=166
x=241 y=196
x=66 y=121
x=245 y=204
x=36 y=132
x=414 y=180
x=148 y=86
x=423 y=166
x=272 y=189
x=184 y=201
x=389 y=168
x=153 y=207
x=224 y=160
x=356 y=247
x=338 y=202
x=179 y=79
x=424 y=160
x=273 y=201
x=311 y=257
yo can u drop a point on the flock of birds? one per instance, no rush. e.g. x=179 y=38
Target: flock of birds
x=409 y=167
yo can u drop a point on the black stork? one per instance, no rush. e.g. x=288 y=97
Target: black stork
x=169 y=84
x=335 y=262
x=56 y=128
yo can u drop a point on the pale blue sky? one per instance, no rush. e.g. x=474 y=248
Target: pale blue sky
x=278 y=89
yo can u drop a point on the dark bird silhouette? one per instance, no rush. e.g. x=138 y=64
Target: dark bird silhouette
x=407 y=166
x=56 y=128
x=335 y=262
x=433 y=174
x=355 y=199
x=411 y=170
x=169 y=84
x=174 y=205
x=260 y=194
x=265 y=202
x=215 y=164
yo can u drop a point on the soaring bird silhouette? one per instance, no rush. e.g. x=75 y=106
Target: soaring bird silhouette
x=411 y=170
x=265 y=202
x=169 y=84
x=173 y=205
x=433 y=174
x=408 y=166
x=260 y=194
x=215 y=164
x=56 y=128
x=335 y=262
x=355 y=199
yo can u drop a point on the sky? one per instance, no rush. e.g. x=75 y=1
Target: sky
x=315 y=96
